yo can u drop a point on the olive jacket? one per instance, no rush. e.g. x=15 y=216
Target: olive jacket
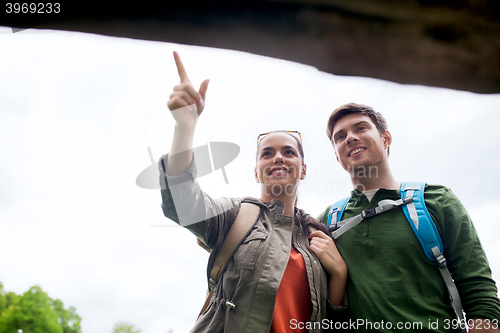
x=243 y=300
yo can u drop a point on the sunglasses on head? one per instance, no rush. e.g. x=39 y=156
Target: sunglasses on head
x=295 y=134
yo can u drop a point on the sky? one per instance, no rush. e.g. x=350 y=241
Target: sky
x=79 y=113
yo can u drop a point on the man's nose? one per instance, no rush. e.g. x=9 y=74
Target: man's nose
x=351 y=137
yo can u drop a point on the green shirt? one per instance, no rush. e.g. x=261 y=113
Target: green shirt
x=391 y=281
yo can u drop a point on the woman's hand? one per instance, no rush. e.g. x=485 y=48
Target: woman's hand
x=185 y=102
x=186 y=105
x=326 y=251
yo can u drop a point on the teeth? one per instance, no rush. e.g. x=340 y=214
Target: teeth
x=356 y=151
x=278 y=171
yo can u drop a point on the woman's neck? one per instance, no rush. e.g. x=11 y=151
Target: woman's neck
x=287 y=200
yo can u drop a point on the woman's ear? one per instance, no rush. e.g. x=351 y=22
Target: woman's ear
x=256 y=175
x=304 y=171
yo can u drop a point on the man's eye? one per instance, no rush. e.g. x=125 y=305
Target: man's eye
x=362 y=128
x=340 y=138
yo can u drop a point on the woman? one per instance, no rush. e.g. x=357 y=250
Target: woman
x=282 y=277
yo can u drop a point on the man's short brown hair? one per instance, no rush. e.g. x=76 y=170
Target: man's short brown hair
x=346 y=109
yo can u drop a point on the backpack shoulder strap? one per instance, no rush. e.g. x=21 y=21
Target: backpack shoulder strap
x=336 y=211
x=424 y=228
x=240 y=229
x=203 y=245
x=420 y=219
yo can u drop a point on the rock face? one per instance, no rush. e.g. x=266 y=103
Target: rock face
x=444 y=43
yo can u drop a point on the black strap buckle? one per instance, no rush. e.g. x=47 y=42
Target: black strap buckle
x=367 y=213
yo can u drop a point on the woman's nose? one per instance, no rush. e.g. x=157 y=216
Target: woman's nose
x=278 y=158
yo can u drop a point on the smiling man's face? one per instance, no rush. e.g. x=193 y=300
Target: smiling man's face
x=358 y=143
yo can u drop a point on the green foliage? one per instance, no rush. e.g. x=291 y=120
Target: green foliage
x=36 y=312
x=2 y=299
x=123 y=327
x=68 y=319
x=32 y=313
x=7 y=300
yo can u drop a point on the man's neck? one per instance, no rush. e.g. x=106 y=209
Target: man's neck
x=383 y=178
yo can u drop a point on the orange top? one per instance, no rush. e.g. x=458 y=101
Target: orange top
x=293 y=301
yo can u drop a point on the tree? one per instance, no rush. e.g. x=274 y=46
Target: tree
x=32 y=312
x=35 y=312
x=7 y=299
x=68 y=319
x=2 y=299
x=123 y=327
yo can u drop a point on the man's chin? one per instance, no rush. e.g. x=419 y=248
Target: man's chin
x=360 y=169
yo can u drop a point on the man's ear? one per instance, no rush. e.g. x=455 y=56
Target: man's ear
x=337 y=157
x=256 y=175
x=387 y=138
x=304 y=171
x=335 y=150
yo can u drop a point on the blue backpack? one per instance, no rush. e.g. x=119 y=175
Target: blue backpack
x=413 y=204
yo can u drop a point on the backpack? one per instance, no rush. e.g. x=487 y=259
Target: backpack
x=413 y=204
x=241 y=227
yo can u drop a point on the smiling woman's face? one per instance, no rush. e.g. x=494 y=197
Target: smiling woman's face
x=279 y=163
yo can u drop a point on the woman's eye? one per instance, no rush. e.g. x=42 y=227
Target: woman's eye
x=290 y=152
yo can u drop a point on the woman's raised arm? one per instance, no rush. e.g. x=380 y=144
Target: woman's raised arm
x=186 y=104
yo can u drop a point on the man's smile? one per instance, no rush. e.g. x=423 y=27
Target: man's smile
x=356 y=151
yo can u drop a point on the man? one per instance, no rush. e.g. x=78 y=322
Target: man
x=392 y=286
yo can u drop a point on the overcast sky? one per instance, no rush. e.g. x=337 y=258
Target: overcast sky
x=79 y=111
